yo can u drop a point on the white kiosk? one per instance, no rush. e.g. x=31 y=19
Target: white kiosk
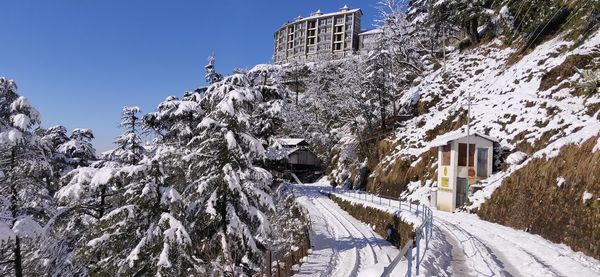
x=453 y=171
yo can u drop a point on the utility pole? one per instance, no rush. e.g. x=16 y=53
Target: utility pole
x=468 y=145
x=444 y=45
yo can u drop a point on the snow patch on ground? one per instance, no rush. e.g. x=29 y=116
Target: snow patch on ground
x=6 y=234
x=586 y=196
x=560 y=181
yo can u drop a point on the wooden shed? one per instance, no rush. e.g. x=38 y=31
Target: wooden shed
x=298 y=154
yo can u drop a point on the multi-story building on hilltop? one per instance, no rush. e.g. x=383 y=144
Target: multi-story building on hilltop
x=318 y=37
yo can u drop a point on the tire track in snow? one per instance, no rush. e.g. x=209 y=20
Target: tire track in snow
x=333 y=218
x=368 y=241
x=323 y=260
x=548 y=269
x=480 y=250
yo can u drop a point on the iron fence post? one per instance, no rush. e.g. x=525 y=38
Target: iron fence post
x=418 y=252
x=426 y=234
x=409 y=273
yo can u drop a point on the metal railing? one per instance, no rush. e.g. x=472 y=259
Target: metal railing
x=412 y=251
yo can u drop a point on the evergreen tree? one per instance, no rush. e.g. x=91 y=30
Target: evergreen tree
x=132 y=217
x=53 y=138
x=378 y=83
x=295 y=75
x=468 y=15
x=129 y=145
x=175 y=119
x=231 y=198
x=25 y=202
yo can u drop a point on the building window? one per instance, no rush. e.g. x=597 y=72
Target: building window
x=482 y=162
x=462 y=154
x=446 y=154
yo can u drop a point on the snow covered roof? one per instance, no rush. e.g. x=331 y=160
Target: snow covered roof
x=291 y=141
x=371 y=32
x=445 y=139
x=338 y=13
x=318 y=14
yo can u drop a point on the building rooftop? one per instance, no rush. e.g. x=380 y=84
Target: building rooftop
x=372 y=31
x=445 y=139
x=291 y=141
x=319 y=14
x=316 y=15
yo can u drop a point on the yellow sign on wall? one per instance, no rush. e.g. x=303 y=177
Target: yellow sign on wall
x=445 y=171
x=445 y=190
x=445 y=182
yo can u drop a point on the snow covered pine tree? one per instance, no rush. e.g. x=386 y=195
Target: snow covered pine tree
x=132 y=214
x=25 y=203
x=231 y=198
x=130 y=149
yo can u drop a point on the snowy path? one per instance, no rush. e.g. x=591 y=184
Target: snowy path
x=497 y=250
x=464 y=245
x=342 y=245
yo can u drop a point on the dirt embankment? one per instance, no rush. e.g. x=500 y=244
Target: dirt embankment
x=401 y=231
x=546 y=197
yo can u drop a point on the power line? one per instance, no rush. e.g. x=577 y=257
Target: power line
x=521 y=22
x=550 y=20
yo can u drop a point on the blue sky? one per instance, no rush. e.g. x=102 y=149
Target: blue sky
x=79 y=62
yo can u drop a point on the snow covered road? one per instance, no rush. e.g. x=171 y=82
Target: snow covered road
x=464 y=245
x=342 y=245
x=496 y=250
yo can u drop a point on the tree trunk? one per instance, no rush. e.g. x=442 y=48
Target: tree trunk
x=381 y=110
x=13 y=210
x=102 y=209
x=472 y=30
x=156 y=174
x=18 y=262
x=297 y=89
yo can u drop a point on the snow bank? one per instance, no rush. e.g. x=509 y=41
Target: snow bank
x=516 y=158
x=6 y=234
x=586 y=196
x=27 y=227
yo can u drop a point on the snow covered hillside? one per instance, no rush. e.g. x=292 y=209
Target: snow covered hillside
x=533 y=106
x=509 y=102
